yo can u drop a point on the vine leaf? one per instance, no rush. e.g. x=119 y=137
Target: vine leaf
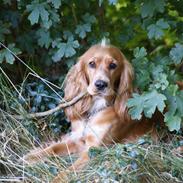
x=44 y=38
x=140 y=52
x=149 y=7
x=147 y=103
x=37 y=11
x=136 y=105
x=66 y=49
x=157 y=30
x=81 y=30
x=5 y=55
x=176 y=53
x=175 y=112
x=172 y=121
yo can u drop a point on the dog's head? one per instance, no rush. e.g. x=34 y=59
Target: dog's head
x=103 y=71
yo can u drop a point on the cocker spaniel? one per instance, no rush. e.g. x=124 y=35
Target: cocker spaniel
x=101 y=117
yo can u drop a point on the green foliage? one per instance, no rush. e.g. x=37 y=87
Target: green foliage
x=174 y=114
x=65 y=49
x=6 y=55
x=158 y=83
x=147 y=102
x=176 y=53
x=43 y=99
x=156 y=30
x=37 y=11
x=81 y=30
x=52 y=34
x=150 y=7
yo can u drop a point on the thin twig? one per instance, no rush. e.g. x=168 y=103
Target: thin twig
x=51 y=111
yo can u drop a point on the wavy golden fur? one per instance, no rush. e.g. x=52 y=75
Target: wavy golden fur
x=101 y=117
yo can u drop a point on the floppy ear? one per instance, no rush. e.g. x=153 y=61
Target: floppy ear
x=76 y=82
x=124 y=90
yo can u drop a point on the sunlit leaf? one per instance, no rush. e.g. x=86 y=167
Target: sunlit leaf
x=176 y=53
x=147 y=103
x=81 y=30
x=157 y=30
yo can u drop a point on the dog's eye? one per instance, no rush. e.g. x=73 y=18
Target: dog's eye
x=92 y=64
x=112 y=66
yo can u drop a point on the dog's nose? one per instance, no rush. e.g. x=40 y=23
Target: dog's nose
x=100 y=84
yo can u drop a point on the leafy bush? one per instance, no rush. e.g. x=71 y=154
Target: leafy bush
x=46 y=32
x=48 y=36
x=41 y=98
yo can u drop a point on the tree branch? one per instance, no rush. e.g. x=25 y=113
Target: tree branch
x=51 y=111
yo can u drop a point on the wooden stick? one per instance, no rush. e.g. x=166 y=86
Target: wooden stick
x=51 y=111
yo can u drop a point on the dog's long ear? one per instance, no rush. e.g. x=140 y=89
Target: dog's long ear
x=124 y=90
x=76 y=82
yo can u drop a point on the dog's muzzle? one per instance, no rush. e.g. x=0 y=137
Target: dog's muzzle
x=101 y=85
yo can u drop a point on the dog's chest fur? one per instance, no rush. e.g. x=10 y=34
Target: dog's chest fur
x=99 y=103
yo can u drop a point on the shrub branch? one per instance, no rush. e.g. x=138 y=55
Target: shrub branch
x=51 y=111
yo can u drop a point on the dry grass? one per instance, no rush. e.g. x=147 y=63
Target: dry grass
x=139 y=162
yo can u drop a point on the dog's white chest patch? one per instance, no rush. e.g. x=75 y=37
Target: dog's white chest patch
x=99 y=104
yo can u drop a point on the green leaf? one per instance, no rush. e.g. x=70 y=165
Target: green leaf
x=154 y=32
x=136 y=105
x=140 y=62
x=66 y=49
x=147 y=103
x=71 y=44
x=176 y=53
x=143 y=78
x=172 y=89
x=150 y=7
x=34 y=16
x=44 y=14
x=56 y=3
x=89 y=18
x=139 y=52
x=162 y=24
x=37 y=11
x=147 y=9
x=172 y=121
x=7 y=56
x=176 y=104
x=60 y=53
x=83 y=29
x=67 y=34
x=152 y=101
x=44 y=38
x=175 y=111
x=160 y=81
x=157 y=30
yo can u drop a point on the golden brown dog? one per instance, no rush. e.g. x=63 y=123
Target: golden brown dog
x=101 y=117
